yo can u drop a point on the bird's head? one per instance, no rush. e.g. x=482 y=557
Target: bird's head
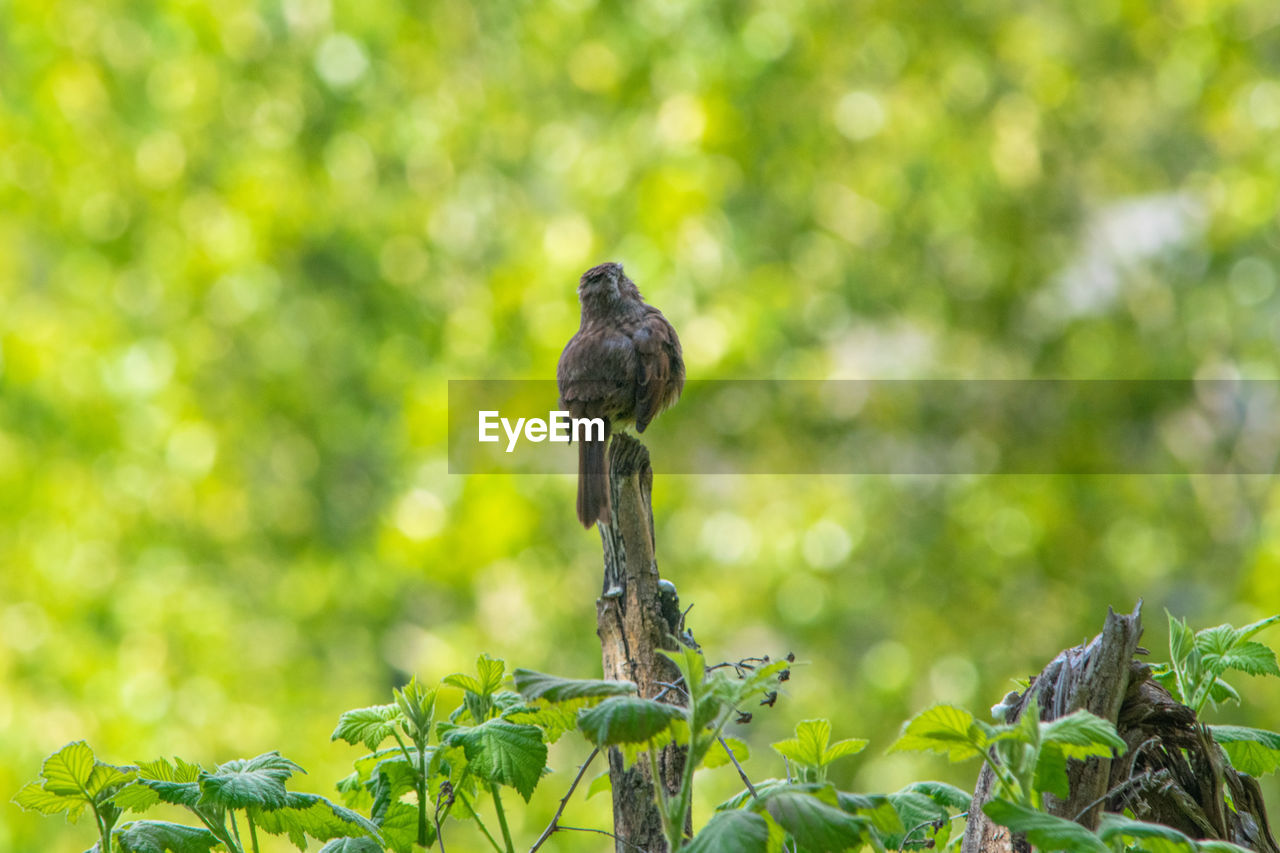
x=602 y=283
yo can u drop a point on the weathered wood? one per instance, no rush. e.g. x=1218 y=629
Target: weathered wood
x=1172 y=773
x=632 y=628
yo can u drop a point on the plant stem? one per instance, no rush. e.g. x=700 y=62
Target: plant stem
x=103 y=832
x=479 y=823
x=253 y=834
x=502 y=817
x=235 y=830
x=673 y=839
x=420 y=780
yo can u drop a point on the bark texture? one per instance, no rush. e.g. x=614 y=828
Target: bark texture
x=635 y=617
x=1172 y=773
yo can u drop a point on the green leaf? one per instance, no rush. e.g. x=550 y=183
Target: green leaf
x=352 y=845
x=161 y=781
x=1150 y=837
x=242 y=783
x=1252 y=751
x=842 y=748
x=1044 y=831
x=744 y=796
x=1251 y=658
x=1254 y=627
x=1051 y=771
x=67 y=771
x=553 y=719
x=627 y=719
x=914 y=810
x=732 y=832
x=818 y=826
x=417 y=703
x=505 y=753
x=156 y=836
x=369 y=726
x=945 y=730
x=599 y=785
x=304 y=815
x=1215 y=642
x=1083 y=735
x=948 y=796
x=809 y=744
x=1181 y=639
x=876 y=808
x=535 y=686
x=717 y=756
x=1221 y=692
x=1214 y=845
x=34 y=797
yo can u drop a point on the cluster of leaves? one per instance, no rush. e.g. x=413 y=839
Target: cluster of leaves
x=73 y=780
x=1197 y=662
x=420 y=771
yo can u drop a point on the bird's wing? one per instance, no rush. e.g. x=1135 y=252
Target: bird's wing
x=659 y=367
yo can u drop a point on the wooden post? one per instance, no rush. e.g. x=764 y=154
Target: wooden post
x=1172 y=772
x=635 y=618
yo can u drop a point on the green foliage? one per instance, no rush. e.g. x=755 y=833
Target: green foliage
x=1252 y=751
x=812 y=751
x=1198 y=660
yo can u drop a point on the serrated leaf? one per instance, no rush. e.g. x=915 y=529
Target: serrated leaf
x=464 y=682
x=914 y=810
x=810 y=742
x=242 y=783
x=1083 y=735
x=503 y=752
x=369 y=726
x=553 y=719
x=537 y=685
x=948 y=796
x=732 y=832
x=717 y=756
x=491 y=672
x=1254 y=627
x=842 y=748
x=942 y=729
x=304 y=815
x=1150 y=837
x=1251 y=658
x=352 y=845
x=876 y=808
x=1181 y=638
x=1051 y=771
x=744 y=796
x=1045 y=831
x=1216 y=641
x=67 y=771
x=1220 y=691
x=599 y=785
x=627 y=719
x=34 y=797
x=157 y=836
x=1252 y=751
x=818 y=826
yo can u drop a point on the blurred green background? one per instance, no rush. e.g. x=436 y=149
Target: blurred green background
x=243 y=247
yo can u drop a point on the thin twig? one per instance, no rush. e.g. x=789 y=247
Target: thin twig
x=564 y=801
x=1133 y=780
x=742 y=773
x=603 y=832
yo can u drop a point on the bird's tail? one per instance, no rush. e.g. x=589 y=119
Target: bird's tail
x=593 y=480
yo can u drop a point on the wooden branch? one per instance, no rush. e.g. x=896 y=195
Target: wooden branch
x=1172 y=773
x=632 y=626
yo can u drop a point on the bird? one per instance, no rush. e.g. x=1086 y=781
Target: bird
x=624 y=365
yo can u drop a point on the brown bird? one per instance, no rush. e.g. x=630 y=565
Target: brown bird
x=624 y=365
